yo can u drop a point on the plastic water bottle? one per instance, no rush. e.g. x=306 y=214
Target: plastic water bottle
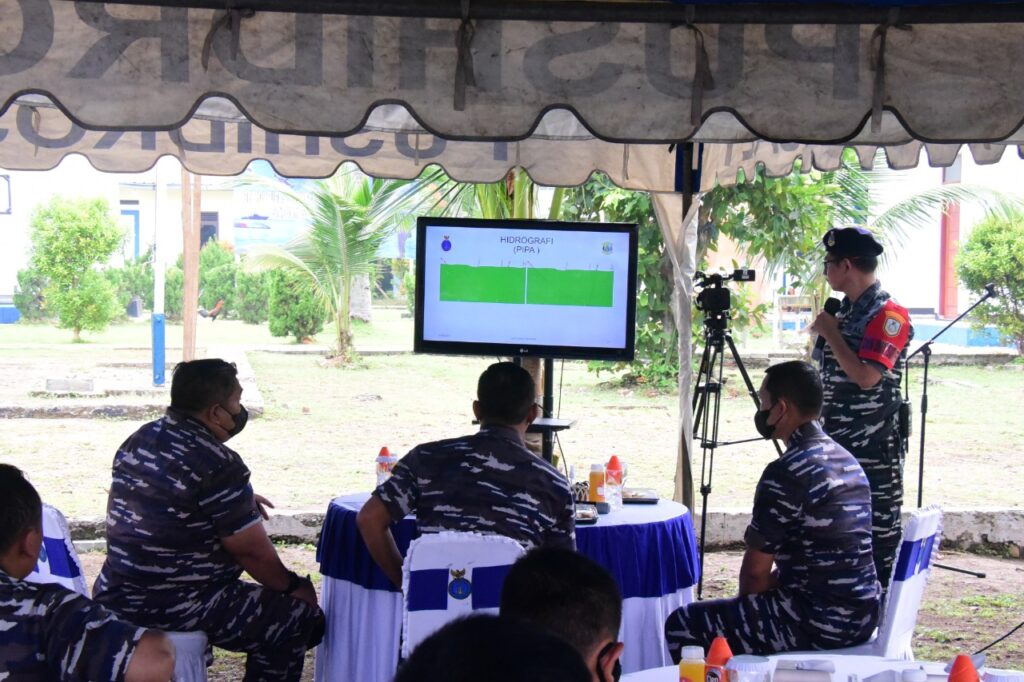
x=385 y=463
x=613 y=483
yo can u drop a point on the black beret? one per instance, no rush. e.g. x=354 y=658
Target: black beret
x=851 y=242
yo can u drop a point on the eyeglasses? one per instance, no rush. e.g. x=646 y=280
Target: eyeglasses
x=831 y=261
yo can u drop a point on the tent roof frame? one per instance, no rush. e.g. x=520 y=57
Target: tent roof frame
x=627 y=12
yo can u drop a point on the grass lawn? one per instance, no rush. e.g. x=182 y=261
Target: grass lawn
x=323 y=425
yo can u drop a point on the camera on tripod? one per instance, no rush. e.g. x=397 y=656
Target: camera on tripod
x=715 y=298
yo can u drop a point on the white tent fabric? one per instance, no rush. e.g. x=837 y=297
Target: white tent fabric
x=721 y=163
x=120 y=66
x=218 y=140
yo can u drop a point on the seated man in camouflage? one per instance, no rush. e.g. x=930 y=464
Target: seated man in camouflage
x=48 y=632
x=812 y=519
x=183 y=524
x=488 y=482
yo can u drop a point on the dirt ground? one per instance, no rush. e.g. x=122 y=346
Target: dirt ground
x=960 y=614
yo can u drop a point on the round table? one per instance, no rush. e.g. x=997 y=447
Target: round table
x=650 y=550
x=809 y=662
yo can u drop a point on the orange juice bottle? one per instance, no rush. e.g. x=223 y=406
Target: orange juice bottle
x=596 y=483
x=691 y=665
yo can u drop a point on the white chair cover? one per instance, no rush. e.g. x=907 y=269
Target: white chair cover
x=447 y=575
x=190 y=656
x=58 y=562
x=906 y=589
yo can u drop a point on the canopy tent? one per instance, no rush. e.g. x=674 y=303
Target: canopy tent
x=560 y=88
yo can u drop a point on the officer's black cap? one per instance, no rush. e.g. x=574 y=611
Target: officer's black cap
x=851 y=242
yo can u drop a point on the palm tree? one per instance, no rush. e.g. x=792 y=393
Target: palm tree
x=350 y=216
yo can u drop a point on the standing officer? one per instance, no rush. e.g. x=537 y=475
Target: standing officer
x=861 y=375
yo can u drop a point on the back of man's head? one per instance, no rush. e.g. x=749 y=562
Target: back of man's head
x=197 y=384
x=567 y=594
x=799 y=383
x=492 y=648
x=20 y=507
x=505 y=392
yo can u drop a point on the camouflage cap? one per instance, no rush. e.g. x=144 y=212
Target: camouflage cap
x=851 y=242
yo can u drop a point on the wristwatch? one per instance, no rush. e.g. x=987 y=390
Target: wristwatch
x=294 y=582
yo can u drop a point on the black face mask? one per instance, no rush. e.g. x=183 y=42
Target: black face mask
x=616 y=669
x=761 y=423
x=241 y=419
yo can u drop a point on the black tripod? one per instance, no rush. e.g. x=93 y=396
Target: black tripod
x=925 y=351
x=714 y=301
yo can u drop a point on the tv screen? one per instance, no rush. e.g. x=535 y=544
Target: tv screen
x=525 y=287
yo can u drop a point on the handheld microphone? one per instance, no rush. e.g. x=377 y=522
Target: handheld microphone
x=831 y=307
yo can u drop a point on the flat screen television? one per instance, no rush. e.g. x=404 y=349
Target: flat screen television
x=532 y=288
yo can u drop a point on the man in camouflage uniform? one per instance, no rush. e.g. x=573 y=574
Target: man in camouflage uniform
x=488 y=482
x=48 y=632
x=860 y=371
x=812 y=519
x=183 y=523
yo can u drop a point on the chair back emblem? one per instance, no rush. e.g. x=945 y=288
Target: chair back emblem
x=459 y=587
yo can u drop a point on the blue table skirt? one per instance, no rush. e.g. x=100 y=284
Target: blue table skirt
x=648 y=559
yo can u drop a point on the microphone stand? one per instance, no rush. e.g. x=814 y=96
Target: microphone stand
x=925 y=350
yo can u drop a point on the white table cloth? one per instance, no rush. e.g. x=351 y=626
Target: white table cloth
x=845 y=666
x=650 y=549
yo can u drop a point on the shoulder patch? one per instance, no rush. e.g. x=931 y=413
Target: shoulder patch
x=886 y=335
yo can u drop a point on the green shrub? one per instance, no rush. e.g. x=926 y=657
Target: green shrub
x=29 y=296
x=409 y=284
x=994 y=253
x=217 y=274
x=252 y=294
x=89 y=306
x=174 y=287
x=293 y=308
x=135 y=278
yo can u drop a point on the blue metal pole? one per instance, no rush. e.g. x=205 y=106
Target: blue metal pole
x=159 y=359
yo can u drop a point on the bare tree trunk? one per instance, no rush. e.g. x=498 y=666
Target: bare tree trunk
x=360 y=302
x=190 y=198
x=76 y=335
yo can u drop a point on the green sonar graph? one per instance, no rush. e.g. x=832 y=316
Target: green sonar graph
x=535 y=286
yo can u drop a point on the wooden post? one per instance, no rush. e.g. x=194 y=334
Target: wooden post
x=190 y=191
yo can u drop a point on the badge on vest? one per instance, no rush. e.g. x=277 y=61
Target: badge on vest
x=459 y=587
x=892 y=326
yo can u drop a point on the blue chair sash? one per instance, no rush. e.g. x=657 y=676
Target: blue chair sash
x=428 y=588
x=914 y=557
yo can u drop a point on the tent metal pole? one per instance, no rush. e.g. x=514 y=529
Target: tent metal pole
x=626 y=12
x=157 y=319
x=687 y=179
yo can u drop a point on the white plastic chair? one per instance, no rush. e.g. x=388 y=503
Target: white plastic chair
x=58 y=561
x=447 y=575
x=190 y=656
x=910 y=573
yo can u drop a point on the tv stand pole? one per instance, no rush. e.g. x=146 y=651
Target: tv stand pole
x=548 y=449
x=547 y=425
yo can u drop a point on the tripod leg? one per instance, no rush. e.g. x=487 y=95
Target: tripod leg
x=699 y=398
x=746 y=380
x=712 y=391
